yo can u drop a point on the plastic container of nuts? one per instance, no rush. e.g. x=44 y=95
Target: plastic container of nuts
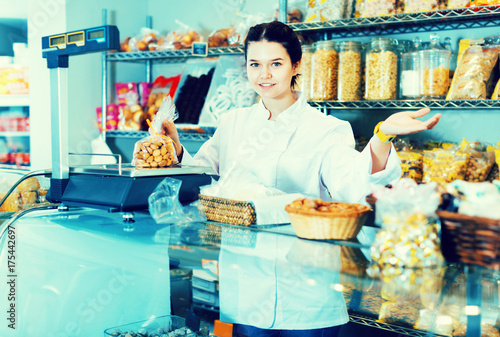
x=324 y=68
x=350 y=75
x=381 y=69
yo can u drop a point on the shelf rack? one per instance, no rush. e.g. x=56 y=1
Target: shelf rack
x=173 y=55
x=183 y=136
x=408 y=104
x=400 y=330
x=475 y=17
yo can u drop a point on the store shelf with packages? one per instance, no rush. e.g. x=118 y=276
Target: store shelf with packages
x=404 y=104
x=175 y=55
x=475 y=17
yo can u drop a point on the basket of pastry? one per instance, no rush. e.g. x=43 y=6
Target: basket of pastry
x=470 y=223
x=318 y=219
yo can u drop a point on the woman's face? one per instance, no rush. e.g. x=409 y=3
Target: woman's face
x=270 y=69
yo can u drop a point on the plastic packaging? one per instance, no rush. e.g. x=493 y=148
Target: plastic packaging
x=229 y=89
x=131 y=114
x=476 y=72
x=476 y=199
x=434 y=70
x=378 y=8
x=409 y=236
x=444 y=166
x=381 y=69
x=412 y=165
x=112 y=117
x=193 y=89
x=220 y=38
x=182 y=37
x=161 y=88
x=156 y=150
x=479 y=164
x=304 y=81
x=324 y=65
x=416 y=6
x=350 y=74
x=452 y=4
x=325 y=10
x=410 y=72
x=146 y=40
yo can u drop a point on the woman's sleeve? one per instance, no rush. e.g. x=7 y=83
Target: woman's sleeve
x=346 y=173
x=208 y=154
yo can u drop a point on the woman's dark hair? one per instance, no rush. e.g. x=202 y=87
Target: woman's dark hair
x=279 y=32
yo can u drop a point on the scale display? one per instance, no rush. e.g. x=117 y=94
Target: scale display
x=81 y=41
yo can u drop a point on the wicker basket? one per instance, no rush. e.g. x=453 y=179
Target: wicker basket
x=324 y=225
x=470 y=239
x=228 y=211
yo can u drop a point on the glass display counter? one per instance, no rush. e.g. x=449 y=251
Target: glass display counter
x=79 y=272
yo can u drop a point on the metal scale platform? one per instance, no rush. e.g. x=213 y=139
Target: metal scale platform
x=117 y=187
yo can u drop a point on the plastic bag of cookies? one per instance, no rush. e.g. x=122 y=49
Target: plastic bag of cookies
x=157 y=150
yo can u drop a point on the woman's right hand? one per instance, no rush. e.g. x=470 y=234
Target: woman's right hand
x=169 y=129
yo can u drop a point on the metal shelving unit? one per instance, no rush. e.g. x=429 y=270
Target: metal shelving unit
x=400 y=330
x=476 y=17
x=183 y=136
x=404 y=104
x=14 y=134
x=176 y=55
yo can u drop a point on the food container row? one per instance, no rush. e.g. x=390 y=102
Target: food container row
x=389 y=69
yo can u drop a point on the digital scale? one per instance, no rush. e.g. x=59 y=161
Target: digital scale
x=120 y=188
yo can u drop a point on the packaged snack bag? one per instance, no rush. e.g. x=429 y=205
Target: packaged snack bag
x=162 y=87
x=476 y=72
x=122 y=91
x=157 y=150
x=131 y=114
x=112 y=117
x=144 y=92
x=182 y=38
x=479 y=164
x=444 y=166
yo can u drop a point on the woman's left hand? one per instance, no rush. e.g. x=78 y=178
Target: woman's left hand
x=404 y=123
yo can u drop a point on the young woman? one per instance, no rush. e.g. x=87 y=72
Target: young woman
x=288 y=145
x=291 y=146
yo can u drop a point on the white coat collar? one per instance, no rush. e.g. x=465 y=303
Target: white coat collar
x=292 y=112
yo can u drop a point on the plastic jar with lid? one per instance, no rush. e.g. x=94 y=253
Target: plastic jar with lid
x=410 y=71
x=304 y=79
x=324 y=67
x=350 y=71
x=381 y=69
x=434 y=70
x=403 y=47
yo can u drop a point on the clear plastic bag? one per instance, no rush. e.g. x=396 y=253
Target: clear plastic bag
x=181 y=38
x=444 y=166
x=325 y=10
x=165 y=207
x=409 y=236
x=156 y=150
x=475 y=73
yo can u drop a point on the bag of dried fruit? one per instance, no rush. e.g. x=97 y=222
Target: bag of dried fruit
x=157 y=150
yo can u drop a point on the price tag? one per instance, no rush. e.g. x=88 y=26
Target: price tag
x=200 y=49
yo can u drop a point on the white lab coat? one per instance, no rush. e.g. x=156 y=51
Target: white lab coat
x=302 y=151
x=280 y=282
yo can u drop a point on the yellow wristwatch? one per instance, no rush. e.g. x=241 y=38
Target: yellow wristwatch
x=382 y=136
